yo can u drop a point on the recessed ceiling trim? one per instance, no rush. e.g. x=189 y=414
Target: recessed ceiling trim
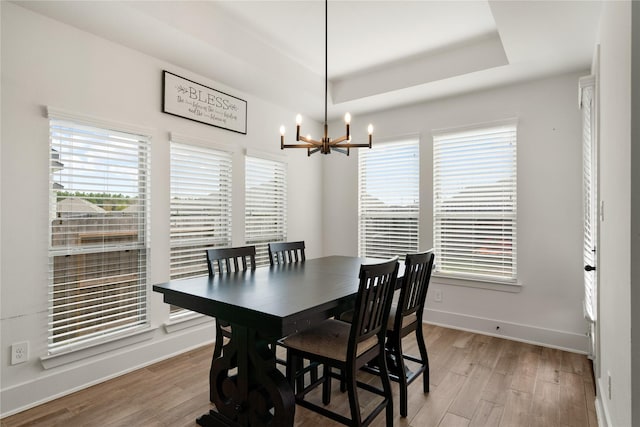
x=476 y=55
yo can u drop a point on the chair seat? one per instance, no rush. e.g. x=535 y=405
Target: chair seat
x=328 y=339
x=406 y=320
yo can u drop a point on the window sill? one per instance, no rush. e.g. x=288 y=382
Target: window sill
x=73 y=355
x=186 y=320
x=441 y=279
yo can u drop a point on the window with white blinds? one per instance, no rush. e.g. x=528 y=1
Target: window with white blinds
x=589 y=187
x=389 y=199
x=200 y=207
x=98 y=234
x=474 y=205
x=265 y=204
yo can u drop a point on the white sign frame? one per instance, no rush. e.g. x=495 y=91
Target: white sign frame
x=185 y=98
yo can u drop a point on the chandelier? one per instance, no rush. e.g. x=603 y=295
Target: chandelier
x=341 y=144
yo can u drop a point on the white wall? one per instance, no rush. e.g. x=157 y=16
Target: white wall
x=548 y=308
x=615 y=230
x=635 y=214
x=46 y=63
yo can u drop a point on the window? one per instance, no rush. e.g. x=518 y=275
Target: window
x=265 y=205
x=200 y=206
x=389 y=199
x=98 y=234
x=474 y=205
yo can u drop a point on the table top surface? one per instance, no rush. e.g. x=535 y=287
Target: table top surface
x=277 y=295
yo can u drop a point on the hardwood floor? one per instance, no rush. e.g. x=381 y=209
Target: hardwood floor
x=476 y=380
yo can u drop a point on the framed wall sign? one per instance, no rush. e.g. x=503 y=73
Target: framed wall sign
x=184 y=98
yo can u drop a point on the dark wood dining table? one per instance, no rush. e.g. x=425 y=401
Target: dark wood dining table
x=263 y=305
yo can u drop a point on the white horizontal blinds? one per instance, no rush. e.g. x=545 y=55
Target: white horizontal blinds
x=98 y=234
x=589 y=245
x=475 y=202
x=389 y=199
x=265 y=205
x=200 y=206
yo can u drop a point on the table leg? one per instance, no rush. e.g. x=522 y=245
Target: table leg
x=258 y=395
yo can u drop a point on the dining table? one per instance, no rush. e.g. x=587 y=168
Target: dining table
x=263 y=305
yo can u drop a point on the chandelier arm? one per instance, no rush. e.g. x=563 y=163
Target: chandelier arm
x=355 y=145
x=339 y=140
x=310 y=141
x=299 y=146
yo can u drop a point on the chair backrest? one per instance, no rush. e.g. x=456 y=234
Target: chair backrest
x=373 y=302
x=415 y=283
x=286 y=252
x=230 y=260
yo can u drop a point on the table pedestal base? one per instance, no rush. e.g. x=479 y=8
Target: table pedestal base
x=258 y=395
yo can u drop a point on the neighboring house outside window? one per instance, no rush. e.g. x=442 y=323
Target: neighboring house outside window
x=98 y=234
x=200 y=207
x=474 y=204
x=265 y=204
x=389 y=199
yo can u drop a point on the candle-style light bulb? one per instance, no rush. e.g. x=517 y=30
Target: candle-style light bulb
x=282 y=137
x=347 y=120
x=298 y=123
x=370 y=130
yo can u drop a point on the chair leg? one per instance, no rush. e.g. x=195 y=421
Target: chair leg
x=424 y=356
x=352 y=391
x=314 y=372
x=290 y=371
x=298 y=380
x=386 y=387
x=402 y=377
x=343 y=383
x=326 y=385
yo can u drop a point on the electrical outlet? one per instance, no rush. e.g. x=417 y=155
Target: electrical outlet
x=19 y=352
x=437 y=295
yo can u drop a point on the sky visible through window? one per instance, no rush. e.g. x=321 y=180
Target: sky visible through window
x=95 y=161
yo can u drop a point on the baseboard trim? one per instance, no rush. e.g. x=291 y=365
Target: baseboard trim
x=568 y=341
x=601 y=418
x=602 y=414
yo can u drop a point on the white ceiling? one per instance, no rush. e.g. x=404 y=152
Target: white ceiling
x=382 y=54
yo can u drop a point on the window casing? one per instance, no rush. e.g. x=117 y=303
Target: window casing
x=200 y=206
x=389 y=199
x=98 y=234
x=475 y=204
x=265 y=204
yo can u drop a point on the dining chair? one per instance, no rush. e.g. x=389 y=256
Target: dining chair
x=286 y=252
x=348 y=347
x=223 y=261
x=405 y=318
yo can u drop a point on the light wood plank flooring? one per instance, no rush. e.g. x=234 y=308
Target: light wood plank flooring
x=476 y=380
